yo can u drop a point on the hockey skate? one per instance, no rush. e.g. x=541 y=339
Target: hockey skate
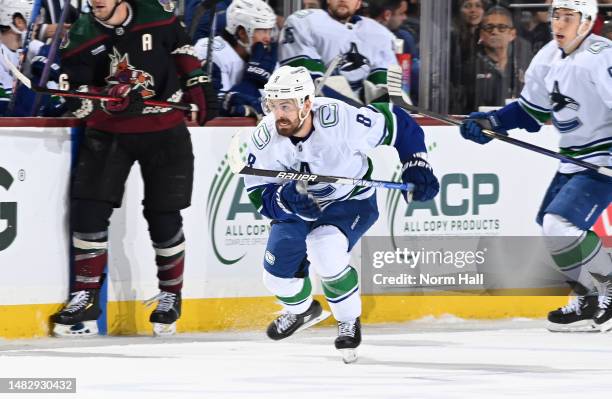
x=166 y=314
x=577 y=315
x=603 y=316
x=288 y=323
x=78 y=317
x=349 y=338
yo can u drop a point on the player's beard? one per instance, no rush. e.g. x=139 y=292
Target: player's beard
x=289 y=129
x=342 y=13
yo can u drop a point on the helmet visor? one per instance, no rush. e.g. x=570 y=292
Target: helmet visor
x=280 y=107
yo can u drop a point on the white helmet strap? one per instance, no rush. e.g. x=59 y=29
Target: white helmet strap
x=303 y=117
x=583 y=31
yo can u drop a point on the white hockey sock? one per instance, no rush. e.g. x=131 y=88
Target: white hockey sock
x=342 y=293
x=295 y=294
x=577 y=253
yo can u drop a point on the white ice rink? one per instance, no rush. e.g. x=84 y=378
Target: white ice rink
x=443 y=358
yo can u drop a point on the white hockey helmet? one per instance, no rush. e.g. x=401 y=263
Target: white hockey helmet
x=251 y=15
x=8 y=8
x=290 y=83
x=588 y=8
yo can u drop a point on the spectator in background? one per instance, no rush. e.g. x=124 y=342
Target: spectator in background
x=606 y=30
x=604 y=16
x=604 y=19
x=392 y=14
x=413 y=20
x=464 y=46
x=501 y=62
x=540 y=34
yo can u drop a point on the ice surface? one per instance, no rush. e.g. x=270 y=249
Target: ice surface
x=442 y=357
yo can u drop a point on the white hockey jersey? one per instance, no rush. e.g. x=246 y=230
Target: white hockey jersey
x=576 y=92
x=336 y=147
x=6 y=78
x=312 y=38
x=225 y=58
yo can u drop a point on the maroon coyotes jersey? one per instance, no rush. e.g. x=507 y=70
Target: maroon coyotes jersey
x=150 y=51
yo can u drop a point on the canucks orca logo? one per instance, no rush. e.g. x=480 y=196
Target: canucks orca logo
x=353 y=60
x=560 y=101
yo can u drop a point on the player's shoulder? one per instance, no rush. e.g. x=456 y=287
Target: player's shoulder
x=307 y=17
x=264 y=135
x=219 y=45
x=329 y=112
x=595 y=48
x=148 y=11
x=83 y=30
x=372 y=26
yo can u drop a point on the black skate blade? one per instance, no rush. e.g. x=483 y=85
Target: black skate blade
x=324 y=315
x=349 y=355
x=577 y=326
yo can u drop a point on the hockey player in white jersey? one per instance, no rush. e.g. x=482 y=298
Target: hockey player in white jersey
x=13 y=15
x=570 y=81
x=314 y=38
x=319 y=225
x=244 y=56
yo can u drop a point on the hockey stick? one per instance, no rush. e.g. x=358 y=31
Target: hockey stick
x=236 y=163
x=26 y=48
x=397 y=97
x=55 y=42
x=212 y=26
x=330 y=69
x=77 y=94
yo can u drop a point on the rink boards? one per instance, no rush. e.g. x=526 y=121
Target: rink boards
x=486 y=190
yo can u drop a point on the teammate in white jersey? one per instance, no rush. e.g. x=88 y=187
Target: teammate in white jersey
x=320 y=226
x=244 y=56
x=12 y=30
x=570 y=82
x=313 y=38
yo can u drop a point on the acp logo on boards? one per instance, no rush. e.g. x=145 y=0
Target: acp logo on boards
x=456 y=210
x=8 y=212
x=234 y=225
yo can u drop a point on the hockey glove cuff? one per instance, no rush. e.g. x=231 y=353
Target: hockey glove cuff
x=201 y=93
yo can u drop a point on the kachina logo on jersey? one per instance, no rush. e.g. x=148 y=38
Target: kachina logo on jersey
x=456 y=210
x=234 y=225
x=8 y=212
